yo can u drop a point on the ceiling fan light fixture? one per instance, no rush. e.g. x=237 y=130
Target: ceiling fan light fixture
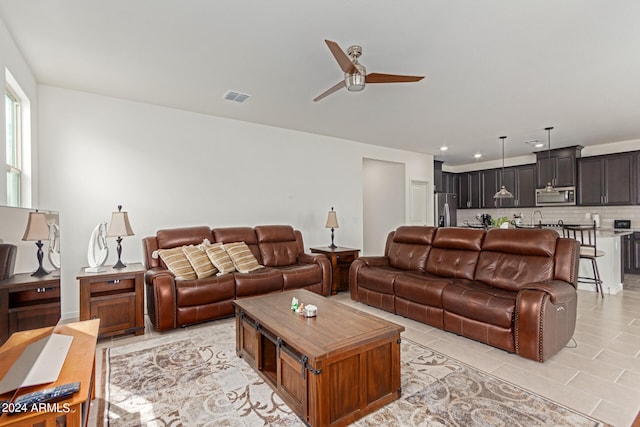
x=354 y=82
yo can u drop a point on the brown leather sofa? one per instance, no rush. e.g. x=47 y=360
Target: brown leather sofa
x=513 y=289
x=172 y=303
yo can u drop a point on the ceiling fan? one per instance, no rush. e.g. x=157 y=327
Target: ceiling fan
x=355 y=75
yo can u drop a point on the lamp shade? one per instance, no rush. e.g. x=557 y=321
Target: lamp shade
x=37 y=227
x=332 y=220
x=119 y=225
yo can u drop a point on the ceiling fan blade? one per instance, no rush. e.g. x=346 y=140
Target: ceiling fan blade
x=391 y=78
x=329 y=91
x=342 y=58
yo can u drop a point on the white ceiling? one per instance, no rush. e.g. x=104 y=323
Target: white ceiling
x=493 y=67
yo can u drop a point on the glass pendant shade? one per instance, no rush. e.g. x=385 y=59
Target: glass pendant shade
x=503 y=193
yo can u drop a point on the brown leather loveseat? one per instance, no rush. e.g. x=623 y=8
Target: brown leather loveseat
x=513 y=289
x=172 y=302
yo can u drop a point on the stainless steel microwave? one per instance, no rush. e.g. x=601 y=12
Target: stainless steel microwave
x=560 y=196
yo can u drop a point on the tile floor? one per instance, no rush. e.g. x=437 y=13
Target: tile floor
x=598 y=375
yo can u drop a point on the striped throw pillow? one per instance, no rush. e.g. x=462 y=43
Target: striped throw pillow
x=177 y=263
x=220 y=259
x=199 y=261
x=242 y=257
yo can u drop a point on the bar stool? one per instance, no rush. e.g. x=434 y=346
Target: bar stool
x=586 y=235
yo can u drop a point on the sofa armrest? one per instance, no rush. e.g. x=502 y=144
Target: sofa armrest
x=325 y=266
x=161 y=298
x=359 y=263
x=559 y=292
x=545 y=319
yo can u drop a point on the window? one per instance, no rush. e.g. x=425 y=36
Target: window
x=14 y=146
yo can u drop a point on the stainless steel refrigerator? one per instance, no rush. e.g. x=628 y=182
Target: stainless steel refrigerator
x=446 y=205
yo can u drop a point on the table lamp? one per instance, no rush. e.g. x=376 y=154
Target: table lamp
x=119 y=227
x=332 y=223
x=37 y=230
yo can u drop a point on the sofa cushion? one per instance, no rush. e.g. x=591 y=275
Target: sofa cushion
x=454 y=252
x=242 y=258
x=378 y=279
x=204 y=291
x=477 y=301
x=258 y=282
x=220 y=258
x=512 y=258
x=175 y=237
x=277 y=245
x=239 y=234
x=421 y=288
x=199 y=261
x=410 y=247
x=177 y=262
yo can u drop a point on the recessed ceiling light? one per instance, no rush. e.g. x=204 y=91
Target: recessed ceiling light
x=477 y=156
x=444 y=148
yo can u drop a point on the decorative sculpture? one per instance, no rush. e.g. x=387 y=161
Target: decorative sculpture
x=98 y=250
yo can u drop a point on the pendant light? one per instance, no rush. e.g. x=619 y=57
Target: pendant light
x=503 y=193
x=549 y=188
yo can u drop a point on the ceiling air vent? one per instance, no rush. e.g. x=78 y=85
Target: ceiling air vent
x=236 y=96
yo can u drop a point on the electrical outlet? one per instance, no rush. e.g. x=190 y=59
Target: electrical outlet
x=587 y=215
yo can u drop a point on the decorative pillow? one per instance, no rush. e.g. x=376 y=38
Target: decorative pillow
x=199 y=261
x=220 y=259
x=177 y=263
x=242 y=257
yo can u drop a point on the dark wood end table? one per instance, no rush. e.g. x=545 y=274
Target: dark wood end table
x=341 y=259
x=116 y=297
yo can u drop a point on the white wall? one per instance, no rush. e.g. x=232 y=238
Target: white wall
x=171 y=168
x=384 y=202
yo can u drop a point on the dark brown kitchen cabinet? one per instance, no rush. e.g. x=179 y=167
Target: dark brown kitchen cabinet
x=521 y=182
x=636 y=168
x=557 y=166
x=606 y=180
x=469 y=190
x=631 y=253
x=450 y=182
x=437 y=177
x=489 y=185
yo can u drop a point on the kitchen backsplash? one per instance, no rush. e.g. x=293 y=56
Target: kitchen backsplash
x=568 y=214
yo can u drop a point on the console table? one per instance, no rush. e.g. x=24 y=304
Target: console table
x=78 y=366
x=28 y=302
x=116 y=297
x=341 y=259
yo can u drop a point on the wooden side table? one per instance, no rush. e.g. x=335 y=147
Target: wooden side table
x=28 y=302
x=116 y=297
x=341 y=259
x=78 y=366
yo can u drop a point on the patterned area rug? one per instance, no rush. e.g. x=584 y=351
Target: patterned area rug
x=194 y=378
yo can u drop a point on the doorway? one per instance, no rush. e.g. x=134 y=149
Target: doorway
x=384 y=202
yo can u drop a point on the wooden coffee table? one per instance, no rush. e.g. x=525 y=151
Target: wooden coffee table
x=331 y=369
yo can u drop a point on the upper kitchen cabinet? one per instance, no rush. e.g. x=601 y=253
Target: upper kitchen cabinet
x=449 y=182
x=637 y=175
x=437 y=177
x=444 y=182
x=606 y=180
x=557 y=166
x=489 y=184
x=521 y=181
x=469 y=190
